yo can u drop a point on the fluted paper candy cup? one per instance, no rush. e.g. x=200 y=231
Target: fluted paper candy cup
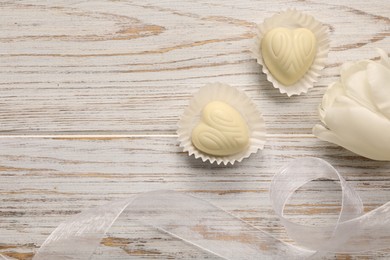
x=355 y=111
x=298 y=48
x=192 y=118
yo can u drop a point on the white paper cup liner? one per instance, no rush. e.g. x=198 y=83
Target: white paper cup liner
x=293 y=19
x=241 y=102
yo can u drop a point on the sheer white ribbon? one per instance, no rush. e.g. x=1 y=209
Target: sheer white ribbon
x=198 y=222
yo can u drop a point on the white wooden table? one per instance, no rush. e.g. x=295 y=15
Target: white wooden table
x=91 y=91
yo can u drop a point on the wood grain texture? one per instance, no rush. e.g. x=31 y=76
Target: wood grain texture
x=46 y=180
x=110 y=64
x=91 y=92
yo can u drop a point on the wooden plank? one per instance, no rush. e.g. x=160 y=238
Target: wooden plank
x=104 y=67
x=43 y=181
x=91 y=91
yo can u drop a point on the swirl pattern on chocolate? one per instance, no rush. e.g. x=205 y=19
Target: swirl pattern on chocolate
x=288 y=54
x=222 y=130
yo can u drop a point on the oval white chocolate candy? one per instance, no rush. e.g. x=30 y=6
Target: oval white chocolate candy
x=288 y=54
x=222 y=131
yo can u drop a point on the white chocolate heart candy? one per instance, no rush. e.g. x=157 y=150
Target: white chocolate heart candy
x=288 y=54
x=222 y=131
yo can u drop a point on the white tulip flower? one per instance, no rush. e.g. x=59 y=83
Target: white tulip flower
x=355 y=111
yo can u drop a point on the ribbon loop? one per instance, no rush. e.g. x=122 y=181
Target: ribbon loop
x=218 y=232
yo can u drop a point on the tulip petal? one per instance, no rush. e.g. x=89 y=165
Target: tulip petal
x=354 y=80
x=385 y=61
x=349 y=68
x=346 y=66
x=325 y=134
x=379 y=79
x=357 y=129
x=334 y=90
